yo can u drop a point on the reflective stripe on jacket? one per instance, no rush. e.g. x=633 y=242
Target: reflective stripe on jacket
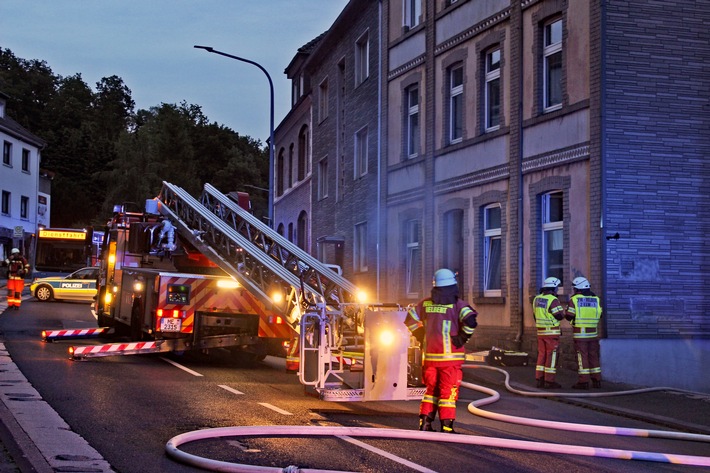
x=585 y=311
x=440 y=322
x=544 y=314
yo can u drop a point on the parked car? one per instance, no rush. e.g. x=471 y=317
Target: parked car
x=77 y=286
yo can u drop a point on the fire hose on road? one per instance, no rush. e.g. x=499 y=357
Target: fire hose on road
x=172 y=447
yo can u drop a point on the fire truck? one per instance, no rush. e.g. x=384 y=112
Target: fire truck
x=186 y=273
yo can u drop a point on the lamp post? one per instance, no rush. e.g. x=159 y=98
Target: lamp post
x=271 y=123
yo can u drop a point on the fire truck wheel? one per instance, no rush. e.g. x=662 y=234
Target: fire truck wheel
x=245 y=358
x=44 y=293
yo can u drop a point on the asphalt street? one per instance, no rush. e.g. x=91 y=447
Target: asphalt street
x=668 y=409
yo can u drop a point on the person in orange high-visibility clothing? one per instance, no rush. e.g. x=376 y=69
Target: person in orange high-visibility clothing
x=442 y=324
x=548 y=312
x=18 y=268
x=584 y=312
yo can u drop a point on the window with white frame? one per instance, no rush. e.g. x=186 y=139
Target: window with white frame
x=492 y=250
x=7 y=153
x=360 y=247
x=25 y=160
x=456 y=103
x=413 y=258
x=453 y=248
x=412 y=13
x=412 y=137
x=361 y=152
x=552 y=66
x=492 y=90
x=323 y=178
x=5 y=204
x=362 y=59
x=552 y=235
x=323 y=100
x=24 y=207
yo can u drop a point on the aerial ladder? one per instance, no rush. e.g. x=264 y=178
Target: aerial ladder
x=349 y=349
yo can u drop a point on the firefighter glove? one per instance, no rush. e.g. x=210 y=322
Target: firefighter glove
x=460 y=339
x=419 y=335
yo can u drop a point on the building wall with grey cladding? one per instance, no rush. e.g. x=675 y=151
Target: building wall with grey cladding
x=657 y=168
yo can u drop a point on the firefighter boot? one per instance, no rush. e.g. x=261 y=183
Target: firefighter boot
x=425 y=423
x=447 y=426
x=596 y=383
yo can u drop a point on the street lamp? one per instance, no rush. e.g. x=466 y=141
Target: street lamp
x=271 y=123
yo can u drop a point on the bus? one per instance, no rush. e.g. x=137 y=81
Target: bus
x=62 y=251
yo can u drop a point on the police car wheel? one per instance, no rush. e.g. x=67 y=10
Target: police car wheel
x=43 y=293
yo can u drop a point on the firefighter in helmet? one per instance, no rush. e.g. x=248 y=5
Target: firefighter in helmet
x=17 y=269
x=548 y=313
x=442 y=324
x=584 y=312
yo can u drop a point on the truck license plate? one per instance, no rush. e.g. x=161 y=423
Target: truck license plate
x=170 y=325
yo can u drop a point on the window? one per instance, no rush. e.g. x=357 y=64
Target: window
x=323 y=100
x=323 y=178
x=303 y=153
x=280 y=173
x=412 y=13
x=302 y=231
x=25 y=160
x=24 y=207
x=289 y=181
x=413 y=258
x=552 y=235
x=290 y=232
x=360 y=248
x=456 y=104
x=5 y=206
x=361 y=152
x=552 y=66
x=7 y=153
x=491 y=250
x=453 y=256
x=362 y=59
x=412 y=131
x=492 y=91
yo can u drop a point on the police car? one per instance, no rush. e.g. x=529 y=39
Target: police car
x=77 y=286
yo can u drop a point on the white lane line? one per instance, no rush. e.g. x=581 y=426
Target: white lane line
x=184 y=368
x=274 y=408
x=385 y=454
x=231 y=390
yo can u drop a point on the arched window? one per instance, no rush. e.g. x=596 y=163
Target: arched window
x=280 y=173
x=302 y=231
x=303 y=153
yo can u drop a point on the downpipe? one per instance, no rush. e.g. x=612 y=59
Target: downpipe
x=172 y=448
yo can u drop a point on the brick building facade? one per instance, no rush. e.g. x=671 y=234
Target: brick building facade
x=520 y=139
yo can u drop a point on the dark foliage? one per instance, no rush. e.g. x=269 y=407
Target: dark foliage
x=103 y=152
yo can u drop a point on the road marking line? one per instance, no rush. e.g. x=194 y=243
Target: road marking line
x=385 y=454
x=184 y=368
x=274 y=408
x=231 y=390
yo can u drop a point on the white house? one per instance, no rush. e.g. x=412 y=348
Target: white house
x=22 y=206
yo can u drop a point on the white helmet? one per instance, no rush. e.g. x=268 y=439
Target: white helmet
x=580 y=283
x=14 y=251
x=444 y=277
x=551 y=283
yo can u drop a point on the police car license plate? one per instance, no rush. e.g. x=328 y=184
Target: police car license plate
x=170 y=325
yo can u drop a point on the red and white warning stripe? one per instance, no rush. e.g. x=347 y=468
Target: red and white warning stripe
x=114 y=349
x=73 y=333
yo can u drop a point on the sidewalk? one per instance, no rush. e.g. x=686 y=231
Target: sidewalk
x=669 y=410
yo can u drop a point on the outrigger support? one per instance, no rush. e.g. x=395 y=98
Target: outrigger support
x=111 y=349
x=73 y=334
